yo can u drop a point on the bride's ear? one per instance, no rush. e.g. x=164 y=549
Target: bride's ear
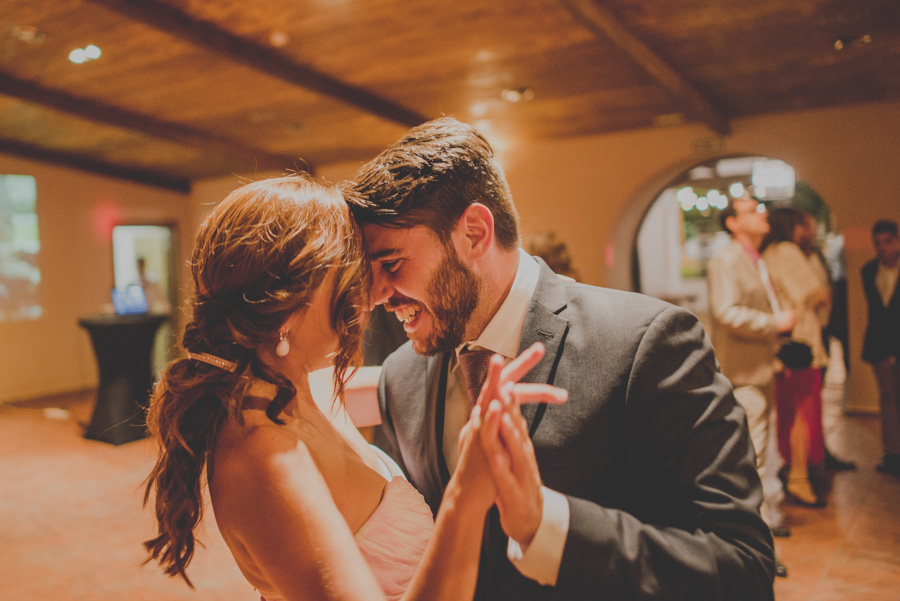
x=293 y=323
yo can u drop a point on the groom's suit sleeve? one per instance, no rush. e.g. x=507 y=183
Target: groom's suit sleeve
x=685 y=524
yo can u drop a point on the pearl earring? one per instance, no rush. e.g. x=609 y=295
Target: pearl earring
x=283 y=347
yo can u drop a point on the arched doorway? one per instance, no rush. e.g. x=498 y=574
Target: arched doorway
x=680 y=231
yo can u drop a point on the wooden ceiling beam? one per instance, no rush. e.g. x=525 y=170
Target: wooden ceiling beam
x=83 y=163
x=100 y=112
x=167 y=18
x=601 y=21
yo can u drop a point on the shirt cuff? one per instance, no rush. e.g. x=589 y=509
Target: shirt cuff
x=541 y=560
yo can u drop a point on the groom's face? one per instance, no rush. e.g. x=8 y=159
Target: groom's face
x=424 y=284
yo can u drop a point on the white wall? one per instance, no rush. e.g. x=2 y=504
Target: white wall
x=76 y=212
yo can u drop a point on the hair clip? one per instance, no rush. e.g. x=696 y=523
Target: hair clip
x=213 y=360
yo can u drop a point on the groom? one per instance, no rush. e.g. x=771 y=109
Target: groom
x=647 y=486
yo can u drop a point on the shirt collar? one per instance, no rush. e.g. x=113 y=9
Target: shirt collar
x=504 y=330
x=753 y=253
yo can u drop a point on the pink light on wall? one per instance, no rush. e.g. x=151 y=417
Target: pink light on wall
x=107 y=215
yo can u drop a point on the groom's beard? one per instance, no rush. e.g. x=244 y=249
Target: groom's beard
x=454 y=290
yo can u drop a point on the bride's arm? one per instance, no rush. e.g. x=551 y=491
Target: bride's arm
x=288 y=523
x=282 y=514
x=284 y=518
x=449 y=568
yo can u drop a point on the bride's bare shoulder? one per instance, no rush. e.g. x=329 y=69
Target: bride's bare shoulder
x=258 y=452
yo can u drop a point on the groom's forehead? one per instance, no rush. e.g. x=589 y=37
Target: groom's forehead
x=382 y=240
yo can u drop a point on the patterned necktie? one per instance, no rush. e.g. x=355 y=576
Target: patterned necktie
x=474 y=365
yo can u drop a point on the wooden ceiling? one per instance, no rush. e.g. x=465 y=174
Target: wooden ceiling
x=191 y=89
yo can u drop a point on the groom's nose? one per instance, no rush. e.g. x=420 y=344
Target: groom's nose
x=381 y=288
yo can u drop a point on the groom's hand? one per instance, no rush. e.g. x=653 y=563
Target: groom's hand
x=506 y=442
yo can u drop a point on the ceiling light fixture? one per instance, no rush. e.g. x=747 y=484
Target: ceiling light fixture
x=78 y=56
x=517 y=94
x=279 y=39
x=851 y=41
x=83 y=55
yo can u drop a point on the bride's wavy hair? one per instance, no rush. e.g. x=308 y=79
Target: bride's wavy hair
x=258 y=258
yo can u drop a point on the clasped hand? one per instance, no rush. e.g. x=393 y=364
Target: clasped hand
x=512 y=479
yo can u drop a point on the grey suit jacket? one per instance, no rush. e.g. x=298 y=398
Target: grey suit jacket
x=651 y=450
x=744 y=333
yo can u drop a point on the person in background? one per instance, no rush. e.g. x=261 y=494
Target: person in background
x=307 y=507
x=747 y=321
x=554 y=251
x=157 y=299
x=881 y=346
x=647 y=486
x=838 y=323
x=800 y=285
x=806 y=236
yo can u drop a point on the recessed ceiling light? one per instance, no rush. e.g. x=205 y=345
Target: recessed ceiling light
x=279 y=39
x=82 y=55
x=517 y=94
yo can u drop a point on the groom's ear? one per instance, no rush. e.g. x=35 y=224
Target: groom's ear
x=474 y=233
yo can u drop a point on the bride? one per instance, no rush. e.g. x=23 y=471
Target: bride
x=307 y=507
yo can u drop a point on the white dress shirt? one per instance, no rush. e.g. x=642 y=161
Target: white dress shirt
x=541 y=560
x=886 y=281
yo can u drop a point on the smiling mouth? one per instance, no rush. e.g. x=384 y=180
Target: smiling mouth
x=407 y=314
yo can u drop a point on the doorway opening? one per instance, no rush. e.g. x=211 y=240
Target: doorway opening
x=680 y=232
x=142 y=256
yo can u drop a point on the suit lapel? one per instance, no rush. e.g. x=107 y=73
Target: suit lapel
x=419 y=421
x=543 y=324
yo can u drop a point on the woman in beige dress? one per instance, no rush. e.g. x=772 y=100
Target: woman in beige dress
x=801 y=283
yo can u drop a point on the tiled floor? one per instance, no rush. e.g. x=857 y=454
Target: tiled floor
x=71 y=521
x=849 y=550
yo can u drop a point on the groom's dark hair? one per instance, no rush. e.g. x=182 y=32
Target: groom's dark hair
x=430 y=176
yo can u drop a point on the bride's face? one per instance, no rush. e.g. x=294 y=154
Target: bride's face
x=311 y=336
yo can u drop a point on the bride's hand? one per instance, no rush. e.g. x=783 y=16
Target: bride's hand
x=473 y=472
